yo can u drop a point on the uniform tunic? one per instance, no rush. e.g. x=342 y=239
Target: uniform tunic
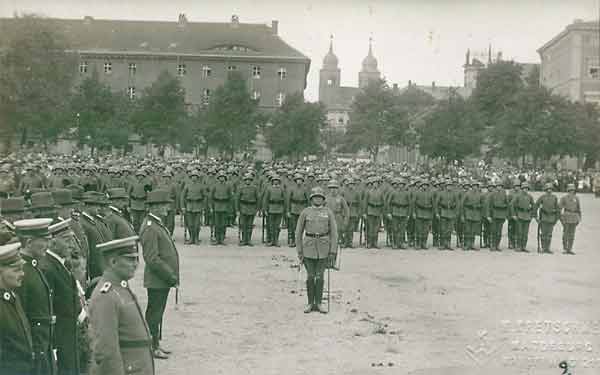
x=16 y=348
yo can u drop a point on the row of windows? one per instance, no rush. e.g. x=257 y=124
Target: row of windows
x=182 y=70
x=279 y=99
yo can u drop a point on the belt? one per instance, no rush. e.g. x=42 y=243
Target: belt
x=316 y=235
x=134 y=343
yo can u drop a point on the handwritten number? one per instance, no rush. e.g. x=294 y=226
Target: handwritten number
x=565 y=366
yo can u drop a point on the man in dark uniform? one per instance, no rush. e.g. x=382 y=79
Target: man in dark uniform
x=221 y=201
x=423 y=210
x=16 y=348
x=373 y=205
x=497 y=213
x=120 y=335
x=35 y=293
x=447 y=205
x=548 y=213
x=115 y=219
x=486 y=231
x=522 y=210
x=316 y=232
x=274 y=208
x=12 y=209
x=337 y=204
x=94 y=233
x=397 y=209
x=512 y=224
x=352 y=195
x=67 y=302
x=137 y=195
x=161 y=272
x=166 y=183
x=570 y=217
x=471 y=213
x=411 y=234
x=296 y=201
x=193 y=202
x=247 y=202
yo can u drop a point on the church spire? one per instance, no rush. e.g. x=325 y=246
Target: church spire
x=490 y=54
x=331 y=43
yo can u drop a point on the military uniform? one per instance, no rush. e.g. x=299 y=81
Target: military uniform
x=512 y=223
x=296 y=201
x=274 y=207
x=398 y=209
x=337 y=204
x=548 y=213
x=570 y=217
x=497 y=213
x=194 y=201
x=472 y=211
x=522 y=211
x=423 y=211
x=221 y=202
x=247 y=202
x=116 y=223
x=137 y=195
x=352 y=195
x=373 y=206
x=447 y=205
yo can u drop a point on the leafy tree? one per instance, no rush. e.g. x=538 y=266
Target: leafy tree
x=376 y=119
x=452 y=130
x=36 y=74
x=161 y=113
x=101 y=116
x=296 y=128
x=232 y=117
x=586 y=123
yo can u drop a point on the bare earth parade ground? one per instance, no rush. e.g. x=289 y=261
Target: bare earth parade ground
x=392 y=311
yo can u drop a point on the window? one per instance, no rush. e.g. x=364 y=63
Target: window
x=593 y=68
x=231 y=68
x=280 y=99
x=132 y=69
x=107 y=67
x=83 y=67
x=256 y=95
x=205 y=96
x=282 y=73
x=340 y=121
x=181 y=70
x=256 y=72
x=329 y=82
x=131 y=92
x=206 y=71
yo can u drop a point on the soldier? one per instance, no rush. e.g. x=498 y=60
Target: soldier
x=337 y=204
x=486 y=225
x=193 y=202
x=410 y=225
x=423 y=210
x=316 y=233
x=512 y=225
x=397 y=209
x=120 y=336
x=547 y=214
x=353 y=198
x=35 y=293
x=137 y=196
x=12 y=209
x=161 y=272
x=16 y=348
x=8 y=185
x=437 y=186
x=570 y=216
x=522 y=210
x=447 y=206
x=247 y=201
x=296 y=201
x=67 y=301
x=497 y=212
x=471 y=213
x=221 y=203
x=373 y=205
x=30 y=181
x=166 y=183
x=94 y=233
x=42 y=205
x=274 y=207
x=115 y=218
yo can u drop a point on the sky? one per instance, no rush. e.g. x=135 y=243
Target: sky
x=418 y=40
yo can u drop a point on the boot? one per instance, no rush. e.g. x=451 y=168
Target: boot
x=319 y=296
x=310 y=293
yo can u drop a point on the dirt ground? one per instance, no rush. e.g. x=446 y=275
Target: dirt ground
x=392 y=311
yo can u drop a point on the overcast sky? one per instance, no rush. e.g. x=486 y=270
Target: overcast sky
x=418 y=40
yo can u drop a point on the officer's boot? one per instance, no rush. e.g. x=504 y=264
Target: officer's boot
x=310 y=293
x=319 y=296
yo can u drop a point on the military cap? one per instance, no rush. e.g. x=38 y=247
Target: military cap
x=317 y=191
x=126 y=247
x=158 y=196
x=323 y=177
x=570 y=187
x=63 y=197
x=298 y=176
x=525 y=185
x=60 y=227
x=33 y=227
x=310 y=174
x=222 y=174
x=425 y=182
x=58 y=167
x=10 y=255
x=396 y=181
x=333 y=184
x=275 y=178
x=12 y=205
x=117 y=193
x=141 y=172
x=548 y=186
x=516 y=182
x=248 y=176
x=42 y=200
x=94 y=197
x=193 y=172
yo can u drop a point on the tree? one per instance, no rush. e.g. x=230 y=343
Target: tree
x=296 y=128
x=452 y=130
x=36 y=74
x=101 y=116
x=161 y=113
x=232 y=117
x=376 y=119
x=586 y=121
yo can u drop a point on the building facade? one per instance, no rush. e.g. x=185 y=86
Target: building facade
x=571 y=62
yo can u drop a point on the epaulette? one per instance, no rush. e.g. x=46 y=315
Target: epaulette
x=88 y=216
x=105 y=287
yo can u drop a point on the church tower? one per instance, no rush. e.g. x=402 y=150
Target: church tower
x=472 y=68
x=329 y=76
x=369 y=70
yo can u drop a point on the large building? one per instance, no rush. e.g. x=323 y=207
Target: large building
x=337 y=98
x=129 y=56
x=571 y=62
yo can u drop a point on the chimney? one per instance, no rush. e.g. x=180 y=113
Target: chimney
x=275 y=27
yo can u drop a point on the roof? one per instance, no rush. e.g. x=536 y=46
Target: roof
x=183 y=37
x=441 y=92
x=340 y=98
x=577 y=25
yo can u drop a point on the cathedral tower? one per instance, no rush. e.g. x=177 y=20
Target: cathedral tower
x=329 y=75
x=369 y=70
